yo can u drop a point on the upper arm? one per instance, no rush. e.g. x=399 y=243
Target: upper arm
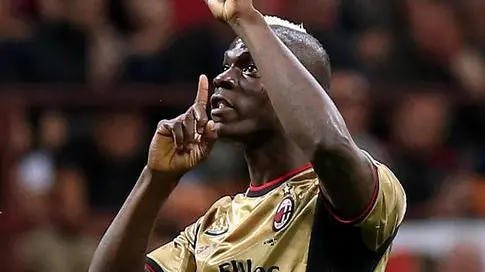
x=177 y=255
x=366 y=241
x=385 y=211
x=347 y=178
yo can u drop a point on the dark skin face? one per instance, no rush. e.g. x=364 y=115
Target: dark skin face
x=247 y=117
x=246 y=113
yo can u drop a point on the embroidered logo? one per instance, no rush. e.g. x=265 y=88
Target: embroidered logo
x=205 y=250
x=219 y=227
x=217 y=231
x=270 y=242
x=284 y=213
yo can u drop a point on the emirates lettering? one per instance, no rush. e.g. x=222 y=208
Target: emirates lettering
x=247 y=266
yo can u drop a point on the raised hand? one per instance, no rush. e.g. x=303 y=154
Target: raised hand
x=181 y=143
x=230 y=10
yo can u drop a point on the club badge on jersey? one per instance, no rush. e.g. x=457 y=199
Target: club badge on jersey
x=218 y=228
x=284 y=210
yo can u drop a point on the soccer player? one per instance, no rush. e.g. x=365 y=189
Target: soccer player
x=316 y=202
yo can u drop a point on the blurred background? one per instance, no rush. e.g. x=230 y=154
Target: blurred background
x=84 y=82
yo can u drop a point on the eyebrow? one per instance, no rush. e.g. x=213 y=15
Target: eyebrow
x=243 y=56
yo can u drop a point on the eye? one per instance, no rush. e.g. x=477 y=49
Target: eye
x=225 y=67
x=250 y=69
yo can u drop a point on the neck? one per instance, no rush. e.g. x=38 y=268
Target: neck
x=272 y=159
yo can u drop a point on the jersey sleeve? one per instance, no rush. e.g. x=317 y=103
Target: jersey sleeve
x=386 y=213
x=178 y=255
x=367 y=239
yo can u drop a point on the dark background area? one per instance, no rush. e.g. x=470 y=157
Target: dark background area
x=84 y=82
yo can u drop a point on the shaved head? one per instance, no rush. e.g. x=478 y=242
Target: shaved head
x=308 y=50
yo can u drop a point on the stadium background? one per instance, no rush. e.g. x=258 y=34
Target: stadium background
x=83 y=83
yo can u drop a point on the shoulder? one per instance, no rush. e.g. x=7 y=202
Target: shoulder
x=217 y=210
x=385 y=177
x=387 y=210
x=222 y=203
x=388 y=182
x=390 y=200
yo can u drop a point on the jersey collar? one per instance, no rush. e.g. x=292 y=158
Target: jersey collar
x=256 y=191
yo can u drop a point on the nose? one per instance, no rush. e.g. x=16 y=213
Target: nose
x=225 y=80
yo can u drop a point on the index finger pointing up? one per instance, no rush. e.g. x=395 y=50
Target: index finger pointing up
x=202 y=91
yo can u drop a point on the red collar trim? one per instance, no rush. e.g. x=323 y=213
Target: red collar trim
x=276 y=182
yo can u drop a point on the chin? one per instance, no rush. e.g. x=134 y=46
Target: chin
x=239 y=133
x=228 y=131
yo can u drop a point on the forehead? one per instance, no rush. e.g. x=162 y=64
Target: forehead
x=236 y=49
x=237 y=43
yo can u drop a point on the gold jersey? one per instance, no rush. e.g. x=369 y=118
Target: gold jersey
x=287 y=225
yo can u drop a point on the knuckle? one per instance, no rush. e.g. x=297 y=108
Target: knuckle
x=164 y=124
x=195 y=111
x=201 y=103
x=200 y=112
x=179 y=120
x=161 y=123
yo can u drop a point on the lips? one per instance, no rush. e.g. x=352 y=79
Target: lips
x=222 y=109
x=220 y=102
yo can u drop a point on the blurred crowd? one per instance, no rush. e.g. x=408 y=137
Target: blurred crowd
x=408 y=77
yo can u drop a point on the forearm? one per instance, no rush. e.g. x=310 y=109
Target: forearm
x=123 y=246
x=303 y=107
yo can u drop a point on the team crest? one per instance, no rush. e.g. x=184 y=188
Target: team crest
x=284 y=213
x=217 y=231
x=219 y=227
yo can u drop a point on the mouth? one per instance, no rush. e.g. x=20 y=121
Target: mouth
x=222 y=109
x=220 y=102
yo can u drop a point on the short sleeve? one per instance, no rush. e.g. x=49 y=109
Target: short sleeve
x=176 y=256
x=382 y=221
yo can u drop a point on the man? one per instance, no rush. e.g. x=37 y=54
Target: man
x=316 y=202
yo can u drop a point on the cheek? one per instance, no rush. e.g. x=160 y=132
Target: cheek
x=265 y=105
x=253 y=94
x=258 y=104
x=265 y=115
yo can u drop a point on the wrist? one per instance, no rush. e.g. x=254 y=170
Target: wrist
x=161 y=177
x=239 y=23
